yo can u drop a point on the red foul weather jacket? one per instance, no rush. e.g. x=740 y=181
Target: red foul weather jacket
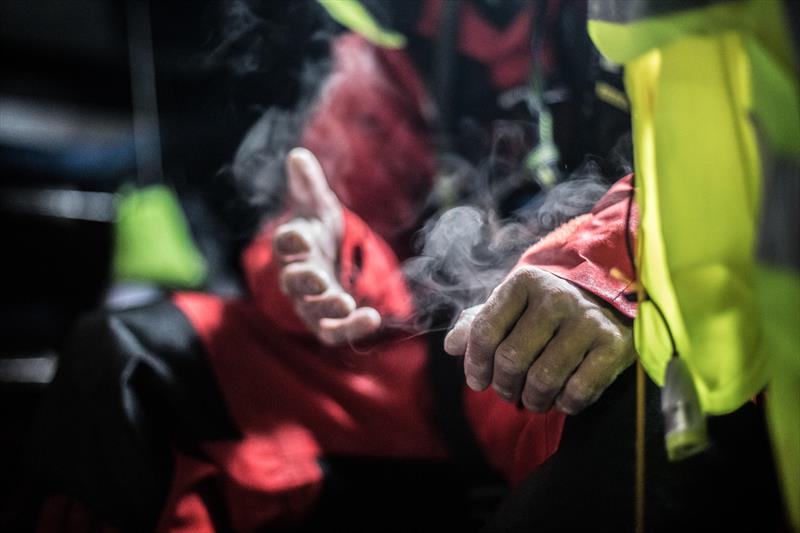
x=295 y=400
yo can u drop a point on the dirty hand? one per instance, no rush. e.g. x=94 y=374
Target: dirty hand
x=542 y=340
x=307 y=246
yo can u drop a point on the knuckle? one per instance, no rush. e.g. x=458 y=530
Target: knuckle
x=570 y=405
x=503 y=391
x=526 y=276
x=482 y=332
x=532 y=401
x=508 y=361
x=615 y=341
x=540 y=384
x=552 y=303
x=468 y=313
x=599 y=321
x=520 y=275
x=561 y=298
x=476 y=369
x=578 y=392
x=477 y=377
x=593 y=316
x=612 y=339
x=593 y=323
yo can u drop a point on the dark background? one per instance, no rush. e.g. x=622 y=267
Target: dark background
x=66 y=145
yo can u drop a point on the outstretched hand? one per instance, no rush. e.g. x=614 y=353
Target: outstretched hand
x=307 y=246
x=540 y=340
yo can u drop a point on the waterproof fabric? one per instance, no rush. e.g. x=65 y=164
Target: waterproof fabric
x=252 y=432
x=585 y=249
x=689 y=79
x=588 y=485
x=714 y=88
x=703 y=281
x=294 y=401
x=130 y=384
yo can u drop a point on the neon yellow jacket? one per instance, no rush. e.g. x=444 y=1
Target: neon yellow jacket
x=713 y=88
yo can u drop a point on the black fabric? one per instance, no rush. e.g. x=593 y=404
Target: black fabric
x=403 y=16
x=779 y=228
x=583 y=123
x=130 y=385
x=587 y=485
x=792 y=11
x=361 y=494
x=446 y=374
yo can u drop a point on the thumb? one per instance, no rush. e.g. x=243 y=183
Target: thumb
x=309 y=191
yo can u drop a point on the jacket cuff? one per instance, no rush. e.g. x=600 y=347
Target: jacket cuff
x=370 y=271
x=592 y=252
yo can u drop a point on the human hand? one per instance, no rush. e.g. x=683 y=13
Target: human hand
x=307 y=245
x=542 y=340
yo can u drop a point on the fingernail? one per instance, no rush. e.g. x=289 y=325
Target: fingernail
x=448 y=340
x=474 y=384
x=373 y=315
x=299 y=153
x=502 y=392
x=536 y=407
x=564 y=408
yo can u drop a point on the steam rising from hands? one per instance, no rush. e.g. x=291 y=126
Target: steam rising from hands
x=540 y=340
x=535 y=338
x=466 y=251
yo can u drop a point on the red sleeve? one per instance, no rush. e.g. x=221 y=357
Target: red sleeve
x=586 y=249
x=369 y=271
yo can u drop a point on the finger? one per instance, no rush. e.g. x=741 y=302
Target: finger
x=515 y=355
x=488 y=329
x=360 y=323
x=455 y=343
x=303 y=279
x=597 y=371
x=551 y=370
x=330 y=305
x=292 y=240
x=308 y=186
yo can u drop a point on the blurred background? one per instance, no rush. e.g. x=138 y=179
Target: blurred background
x=118 y=120
x=77 y=213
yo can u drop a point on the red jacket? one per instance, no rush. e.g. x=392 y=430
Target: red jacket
x=294 y=399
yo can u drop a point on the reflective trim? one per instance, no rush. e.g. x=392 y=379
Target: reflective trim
x=354 y=16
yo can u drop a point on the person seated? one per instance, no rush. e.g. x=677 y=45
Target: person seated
x=204 y=413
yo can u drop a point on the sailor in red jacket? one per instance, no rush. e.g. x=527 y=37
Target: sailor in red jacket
x=301 y=348
x=298 y=386
x=302 y=367
x=303 y=364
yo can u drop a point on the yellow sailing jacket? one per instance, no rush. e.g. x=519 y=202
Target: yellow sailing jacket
x=714 y=93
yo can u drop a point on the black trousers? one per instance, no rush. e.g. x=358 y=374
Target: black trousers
x=588 y=485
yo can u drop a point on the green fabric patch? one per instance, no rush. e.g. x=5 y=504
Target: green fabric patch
x=353 y=15
x=153 y=242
